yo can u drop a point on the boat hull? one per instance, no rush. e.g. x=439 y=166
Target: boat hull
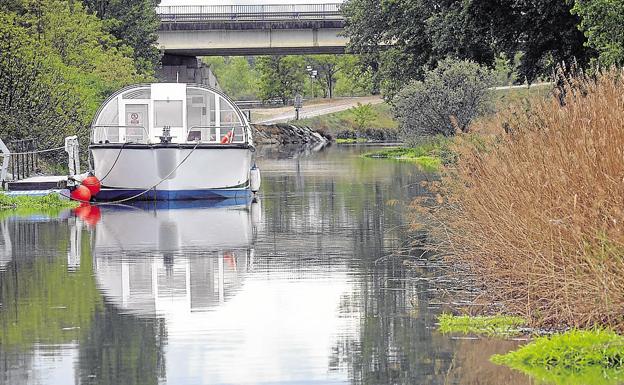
x=172 y=172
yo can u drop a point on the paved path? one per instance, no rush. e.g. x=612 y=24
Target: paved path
x=324 y=107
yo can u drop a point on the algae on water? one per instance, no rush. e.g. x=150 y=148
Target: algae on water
x=577 y=357
x=492 y=326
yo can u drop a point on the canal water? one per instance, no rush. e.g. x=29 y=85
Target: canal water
x=314 y=284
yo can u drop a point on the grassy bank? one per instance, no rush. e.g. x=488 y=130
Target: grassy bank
x=537 y=212
x=35 y=203
x=576 y=357
x=430 y=154
x=380 y=125
x=493 y=326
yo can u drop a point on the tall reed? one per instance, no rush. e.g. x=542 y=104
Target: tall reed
x=538 y=213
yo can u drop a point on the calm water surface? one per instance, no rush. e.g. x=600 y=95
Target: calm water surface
x=311 y=285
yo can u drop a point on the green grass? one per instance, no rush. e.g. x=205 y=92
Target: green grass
x=35 y=203
x=503 y=98
x=344 y=121
x=588 y=357
x=430 y=154
x=351 y=140
x=491 y=326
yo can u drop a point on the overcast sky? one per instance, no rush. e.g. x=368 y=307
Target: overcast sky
x=244 y=2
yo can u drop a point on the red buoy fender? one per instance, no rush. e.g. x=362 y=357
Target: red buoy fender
x=81 y=193
x=93 y=184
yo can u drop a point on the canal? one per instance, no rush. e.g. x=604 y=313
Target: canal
x=314 y=284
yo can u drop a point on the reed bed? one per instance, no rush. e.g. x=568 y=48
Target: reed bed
x=535 y=207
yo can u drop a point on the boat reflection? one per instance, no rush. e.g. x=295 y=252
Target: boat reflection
x=155 y=260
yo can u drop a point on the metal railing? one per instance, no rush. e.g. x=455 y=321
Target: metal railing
x=102 y=134
x=266 y=12
x=214 y=134
x=24 y=158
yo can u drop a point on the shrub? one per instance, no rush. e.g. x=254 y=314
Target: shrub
x=448 y=99
x=363 y=114
x=537 y=212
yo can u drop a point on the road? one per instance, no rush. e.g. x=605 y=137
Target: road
x=315 y=108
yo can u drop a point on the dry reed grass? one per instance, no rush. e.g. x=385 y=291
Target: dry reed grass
x=538 y=213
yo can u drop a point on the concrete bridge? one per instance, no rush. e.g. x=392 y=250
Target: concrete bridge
x=221 y=30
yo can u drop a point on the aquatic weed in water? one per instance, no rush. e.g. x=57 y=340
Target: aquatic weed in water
x=587 y=357
x=492 y=326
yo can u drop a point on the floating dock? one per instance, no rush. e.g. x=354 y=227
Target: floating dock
x=37 y=184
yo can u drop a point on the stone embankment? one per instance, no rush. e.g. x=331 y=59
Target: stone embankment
x=283 y=133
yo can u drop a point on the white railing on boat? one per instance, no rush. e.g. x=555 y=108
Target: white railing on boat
x=104 y=134
x=113 y=134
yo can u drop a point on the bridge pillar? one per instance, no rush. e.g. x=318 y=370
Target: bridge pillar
x=186 y=69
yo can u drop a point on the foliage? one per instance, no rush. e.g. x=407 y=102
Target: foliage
x=280 y=76
x=327 y=67
x=505 y=70
x=406 y=37
x=33 y=100
x=577 y=357
x=354 y=77
x=447 y=101
x=363 y=114
x=133 y=23
x=236 y=76
x=343 y=125
x=537 y=212
x=431 y=152
x=24 y=202
x=58 y=64
x=602 y=21
x=493 y=326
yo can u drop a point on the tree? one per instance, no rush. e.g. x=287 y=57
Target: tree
x=280 y=76
x=57 y=65
x=328 y=67
x=33 y=100
x=236 y=76
x=134 y=23
x=447 y=100
x=602 y=21
x=409 y=36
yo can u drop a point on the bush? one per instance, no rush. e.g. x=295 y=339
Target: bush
x=448 y=99
x=363 y=114
x=537 y=212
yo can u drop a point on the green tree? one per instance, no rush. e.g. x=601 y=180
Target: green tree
x=65 y=64
x=236 y=76
x=327 y=67
x=134 y=23
x=446 y=101
x=33 y=100
x=409 y=36
x=355 y=77
x=280 y=76
x=602 y=21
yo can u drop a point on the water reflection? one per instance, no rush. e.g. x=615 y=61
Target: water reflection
x=307 y=286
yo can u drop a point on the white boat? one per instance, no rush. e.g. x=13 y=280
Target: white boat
x=167 y=141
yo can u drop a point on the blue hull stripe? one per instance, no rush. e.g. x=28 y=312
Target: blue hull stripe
x=166 y=195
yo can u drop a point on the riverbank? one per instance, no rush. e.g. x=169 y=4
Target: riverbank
x=288 y=134
x=532 y=208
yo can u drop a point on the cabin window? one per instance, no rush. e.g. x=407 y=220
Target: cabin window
x=168 y=113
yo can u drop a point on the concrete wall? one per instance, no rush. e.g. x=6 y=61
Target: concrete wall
x=186 y=69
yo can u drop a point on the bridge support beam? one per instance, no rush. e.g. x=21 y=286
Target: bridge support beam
x=252 y=38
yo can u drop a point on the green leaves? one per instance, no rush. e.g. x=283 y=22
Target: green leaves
x=602 y=22
x=280 y=76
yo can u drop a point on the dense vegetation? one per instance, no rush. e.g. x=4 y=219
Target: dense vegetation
x=401 y=39
x=282 y=77
x=535 y=206
x=59 y=61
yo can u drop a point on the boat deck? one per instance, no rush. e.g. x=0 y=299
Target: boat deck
x=38 y=183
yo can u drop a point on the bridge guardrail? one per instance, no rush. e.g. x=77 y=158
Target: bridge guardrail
x=267 y=12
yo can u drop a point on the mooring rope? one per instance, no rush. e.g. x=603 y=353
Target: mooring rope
x=34 y=152
x=142 y=192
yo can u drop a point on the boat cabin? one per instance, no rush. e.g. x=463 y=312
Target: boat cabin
x=169 y=113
